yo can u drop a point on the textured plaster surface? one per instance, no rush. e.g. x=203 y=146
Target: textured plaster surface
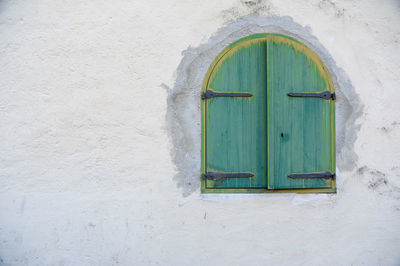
x=184 y=98
x=89 y=164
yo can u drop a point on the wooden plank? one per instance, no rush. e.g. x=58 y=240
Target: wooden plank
x=299 y=129
x=235 y=127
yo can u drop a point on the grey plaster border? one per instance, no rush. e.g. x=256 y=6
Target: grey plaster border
x=183 y=103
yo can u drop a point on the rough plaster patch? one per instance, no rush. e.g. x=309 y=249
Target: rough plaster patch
x=247 y=7
x=378 y=182
x=184 y=116
x=330 y=7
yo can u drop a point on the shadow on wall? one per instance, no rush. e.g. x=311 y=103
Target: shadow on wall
x=184 y=114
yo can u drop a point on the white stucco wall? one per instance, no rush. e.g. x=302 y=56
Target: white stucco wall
x=87 y=173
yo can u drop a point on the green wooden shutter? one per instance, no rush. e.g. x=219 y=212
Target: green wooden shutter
x=236 y=126
x=269 y=141
x=300 y=129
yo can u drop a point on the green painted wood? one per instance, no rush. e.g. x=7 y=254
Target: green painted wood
x=299 y=129
x=289 y=62
x=236 y=128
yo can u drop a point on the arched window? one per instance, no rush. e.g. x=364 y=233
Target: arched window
x=268 y=119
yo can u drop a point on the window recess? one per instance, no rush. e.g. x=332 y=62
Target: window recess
x=268 y=112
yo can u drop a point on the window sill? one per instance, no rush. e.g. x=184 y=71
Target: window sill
x=264 y=190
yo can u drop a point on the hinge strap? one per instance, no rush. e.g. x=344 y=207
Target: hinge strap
x=327 y=95
x=216 y=175
x=326 y=175
x=210 y=94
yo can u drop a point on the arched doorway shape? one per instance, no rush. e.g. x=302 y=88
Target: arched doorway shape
x=268 y=119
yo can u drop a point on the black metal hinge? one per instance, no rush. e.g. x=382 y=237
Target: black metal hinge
x=216 y=175
x=326 y=175
x=327 y=95
x=211 y=94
